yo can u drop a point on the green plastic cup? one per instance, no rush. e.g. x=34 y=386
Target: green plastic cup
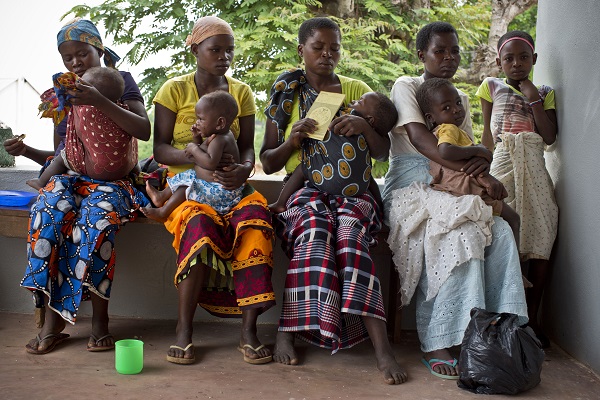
x=129 y=356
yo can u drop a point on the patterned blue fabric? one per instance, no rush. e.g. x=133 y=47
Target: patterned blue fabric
x=210 y=193
x=70 y=248
x=441 y=322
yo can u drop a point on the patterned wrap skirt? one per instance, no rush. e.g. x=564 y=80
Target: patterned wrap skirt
x=237 y=247
x=331 y=281
x=70 y=245
x=493 y=283
x=519 y=164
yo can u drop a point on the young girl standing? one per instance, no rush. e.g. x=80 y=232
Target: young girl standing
x=519 y=120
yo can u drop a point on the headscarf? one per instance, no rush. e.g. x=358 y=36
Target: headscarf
x=83 y=30
x=206 y=27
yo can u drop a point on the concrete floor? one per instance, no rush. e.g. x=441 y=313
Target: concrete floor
x=71 y=372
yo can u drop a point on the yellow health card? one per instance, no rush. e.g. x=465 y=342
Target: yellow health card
x=323 y=110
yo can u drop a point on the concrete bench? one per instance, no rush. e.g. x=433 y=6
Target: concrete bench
x=146 y=262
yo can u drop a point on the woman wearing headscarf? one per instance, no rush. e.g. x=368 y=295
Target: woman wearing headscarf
x=332 y=296
x=224 y=262
x=73 y=223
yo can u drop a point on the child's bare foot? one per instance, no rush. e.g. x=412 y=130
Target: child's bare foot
x=154 y=213
x=284 y=352
x=277 y=208
x=35 y=183
x=157 y=197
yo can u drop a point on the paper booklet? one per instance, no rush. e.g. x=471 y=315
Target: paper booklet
x=323 y=110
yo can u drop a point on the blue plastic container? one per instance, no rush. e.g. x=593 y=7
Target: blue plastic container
x=15 y=198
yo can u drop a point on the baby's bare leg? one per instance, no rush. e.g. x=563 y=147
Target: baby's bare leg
x=56 y=167
x=173 y=201
x=295 y=182
x=158 y=197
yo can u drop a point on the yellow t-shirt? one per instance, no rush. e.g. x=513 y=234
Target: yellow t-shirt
x=180 y=95
x=352 y=88
x=452 y=134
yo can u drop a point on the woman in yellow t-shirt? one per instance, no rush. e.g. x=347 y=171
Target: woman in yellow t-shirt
x=224 y=262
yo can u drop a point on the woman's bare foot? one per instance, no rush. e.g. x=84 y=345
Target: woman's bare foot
x=158 y=197
x=284 y=352
x=443 y=369
x=154 y=213
x=393 y=373
x=37 y=184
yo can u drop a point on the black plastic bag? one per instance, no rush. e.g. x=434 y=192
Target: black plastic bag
x=498 y=356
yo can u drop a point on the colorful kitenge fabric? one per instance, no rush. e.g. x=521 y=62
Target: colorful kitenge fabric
x=55 y=101
x=279 y=108
x=331 y=281
x=238 y=248
x=95 y=145
x=201 y=191
x=338 y=165
x=83 y=30
x=70 y=246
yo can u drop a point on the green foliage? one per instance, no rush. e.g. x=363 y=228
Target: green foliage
x=378 y=39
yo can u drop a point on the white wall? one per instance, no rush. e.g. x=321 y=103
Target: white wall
x=568 y=59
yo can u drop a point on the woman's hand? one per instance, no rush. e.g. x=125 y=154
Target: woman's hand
x=15 y=147
x=476 y=167
x=85 y=94
x=234 y=175
x=300 y=131
x=493 y=187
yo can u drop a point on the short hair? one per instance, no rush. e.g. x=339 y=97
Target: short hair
x=513 y=34
x=386 y=114
x=108 y=81
x=427 y=32
x=308 y=28
x=223 y=103
x=426 y=91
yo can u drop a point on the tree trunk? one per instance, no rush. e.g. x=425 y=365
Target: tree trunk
x=484 y=60
x=336 y=8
